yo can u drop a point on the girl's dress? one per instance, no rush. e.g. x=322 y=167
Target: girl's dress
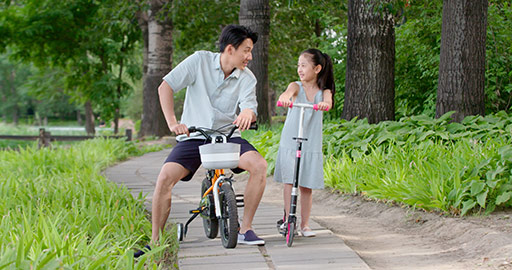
x=311 y=163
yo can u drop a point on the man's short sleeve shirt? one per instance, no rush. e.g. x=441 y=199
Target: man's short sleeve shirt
x=211 y=101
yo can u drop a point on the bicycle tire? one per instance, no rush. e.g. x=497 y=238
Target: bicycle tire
x=229 y=223
x=290 y=233
x=210 y=221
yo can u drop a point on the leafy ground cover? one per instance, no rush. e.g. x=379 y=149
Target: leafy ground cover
x=58 y=211
x=432 y=164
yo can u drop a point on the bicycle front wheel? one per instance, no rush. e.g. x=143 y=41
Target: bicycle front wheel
x=229 y=222
x=210 y=222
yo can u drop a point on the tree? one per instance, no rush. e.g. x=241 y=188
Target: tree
x=462 y=60
x=369 y=83
x=157 y=63
x=89 y=40
x=256 y=15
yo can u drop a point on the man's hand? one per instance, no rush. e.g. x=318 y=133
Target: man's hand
x=244 y=119
x=179 y=129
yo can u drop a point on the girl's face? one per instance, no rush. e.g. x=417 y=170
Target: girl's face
x=306 y=68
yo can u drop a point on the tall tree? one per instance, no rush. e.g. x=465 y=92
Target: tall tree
x=157 y=63
x=256 y=15
x=462 y=61
x=369 y=83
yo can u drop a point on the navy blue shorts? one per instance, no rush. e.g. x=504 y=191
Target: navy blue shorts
x=186 y=153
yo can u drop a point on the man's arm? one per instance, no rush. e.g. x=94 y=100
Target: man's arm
x=166 y=96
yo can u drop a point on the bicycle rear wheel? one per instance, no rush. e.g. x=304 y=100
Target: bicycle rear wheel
x=210 y=221
x=229 y=222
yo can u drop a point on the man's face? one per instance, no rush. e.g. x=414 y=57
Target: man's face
x=242 y=55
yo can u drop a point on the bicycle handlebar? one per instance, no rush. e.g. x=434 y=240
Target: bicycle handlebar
x=303 y=105
x=254 y=126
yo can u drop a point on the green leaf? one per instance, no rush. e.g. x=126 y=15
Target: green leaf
x=481 y=198
x=466 y=206
x=476 y=187
x=504 y=197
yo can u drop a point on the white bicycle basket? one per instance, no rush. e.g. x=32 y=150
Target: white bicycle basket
x=220 y=155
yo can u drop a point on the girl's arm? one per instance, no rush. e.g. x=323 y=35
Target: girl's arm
x=289 y=95
x=326 y=104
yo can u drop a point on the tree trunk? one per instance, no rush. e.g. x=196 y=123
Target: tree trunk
x=15 y=107
x=255 y=14
x=158 y=63
x=369 y=84
x=79 y=117
x=89 y=119
x=462 y=61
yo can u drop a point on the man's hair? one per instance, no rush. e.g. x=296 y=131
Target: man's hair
x=235 y=34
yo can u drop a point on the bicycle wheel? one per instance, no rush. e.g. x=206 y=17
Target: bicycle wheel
x=290 y=231
x=229 y=222
x=210 y=221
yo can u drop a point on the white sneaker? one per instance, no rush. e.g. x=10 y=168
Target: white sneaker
x=307 y=233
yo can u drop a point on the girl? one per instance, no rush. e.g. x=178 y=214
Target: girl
x=316 y=86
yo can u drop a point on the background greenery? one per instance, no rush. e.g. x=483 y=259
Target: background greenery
x=426 y=163
x=58 y=211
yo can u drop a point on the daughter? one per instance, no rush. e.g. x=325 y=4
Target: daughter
x=316 y=86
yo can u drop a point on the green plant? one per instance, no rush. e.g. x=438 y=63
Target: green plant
x=60 y=212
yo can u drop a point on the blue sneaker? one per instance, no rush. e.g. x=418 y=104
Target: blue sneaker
x=250 y=238
x=142 y=251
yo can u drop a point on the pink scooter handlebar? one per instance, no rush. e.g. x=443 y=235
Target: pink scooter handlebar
x=305 y=105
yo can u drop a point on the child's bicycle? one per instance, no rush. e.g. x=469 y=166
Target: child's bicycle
x=218 y=205
x=288 y=227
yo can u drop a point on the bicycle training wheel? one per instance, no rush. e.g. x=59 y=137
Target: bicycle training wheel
x=229 y=222
x=180 y=231
x=290 y=233
x=210 y=221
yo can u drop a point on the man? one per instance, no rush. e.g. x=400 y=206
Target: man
x=218 y=85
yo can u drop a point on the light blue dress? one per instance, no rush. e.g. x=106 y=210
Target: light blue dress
x=311 y=167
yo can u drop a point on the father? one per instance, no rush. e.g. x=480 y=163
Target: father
x=218 y=86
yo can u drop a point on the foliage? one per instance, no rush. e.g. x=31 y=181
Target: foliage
x=90 y=41
x=60 y=212
x=418 y=43
x=424 y=162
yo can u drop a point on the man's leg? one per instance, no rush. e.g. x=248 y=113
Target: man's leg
x=169 y=175
x=256 y=165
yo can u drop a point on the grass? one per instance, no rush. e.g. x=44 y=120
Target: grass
x=58 y=211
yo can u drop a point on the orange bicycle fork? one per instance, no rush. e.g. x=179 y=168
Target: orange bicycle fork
x=214 y=175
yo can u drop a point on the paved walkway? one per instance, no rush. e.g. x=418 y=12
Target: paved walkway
x=325 y=251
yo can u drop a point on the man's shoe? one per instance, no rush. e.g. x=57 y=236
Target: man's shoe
x=141 y=252
x=250 y=238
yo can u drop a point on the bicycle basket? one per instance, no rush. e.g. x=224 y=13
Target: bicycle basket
x=220 y=155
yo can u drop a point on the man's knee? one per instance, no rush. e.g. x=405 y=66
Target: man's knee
x=257 y=164
x=170 y=175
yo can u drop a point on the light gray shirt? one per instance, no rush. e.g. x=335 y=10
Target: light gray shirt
x=211 y=101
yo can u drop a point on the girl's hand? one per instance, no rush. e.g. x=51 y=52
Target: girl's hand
x=285 y=102
x=323 y=106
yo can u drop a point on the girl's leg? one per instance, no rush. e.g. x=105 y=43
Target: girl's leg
x=306 y=201
x=287 y=195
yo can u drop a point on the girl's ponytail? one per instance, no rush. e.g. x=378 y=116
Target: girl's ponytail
x=325 y=78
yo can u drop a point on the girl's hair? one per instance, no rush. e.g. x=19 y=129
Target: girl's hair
x=325 y=78
x=235 y=34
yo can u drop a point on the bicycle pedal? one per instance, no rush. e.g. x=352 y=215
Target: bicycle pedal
x=239 y=200
x=195 y=211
